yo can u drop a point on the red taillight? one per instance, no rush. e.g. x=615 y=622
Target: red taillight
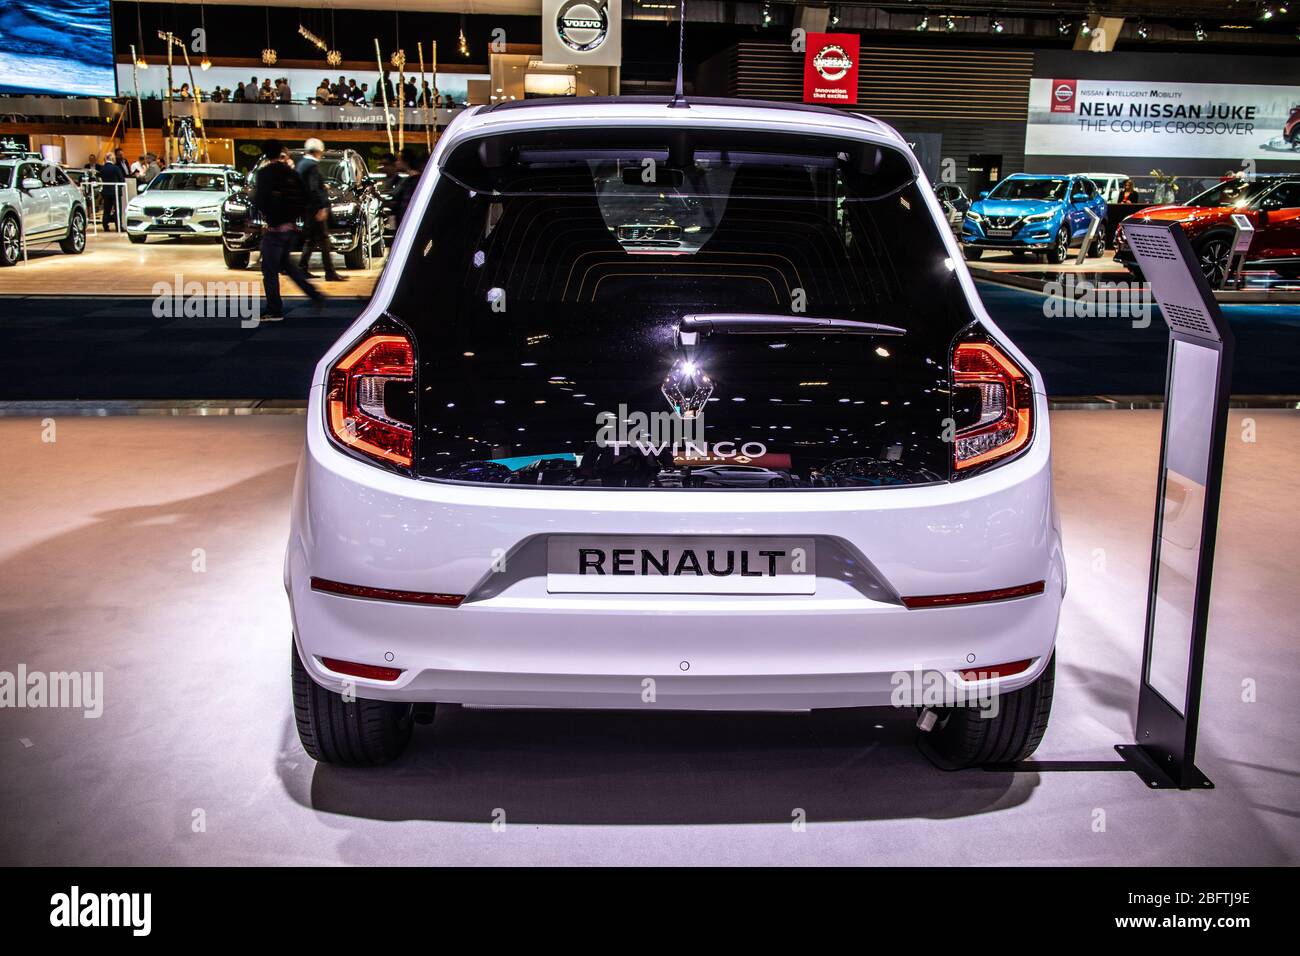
x=973 y=597
x=1006 y=403
x=386 y=594
x=368 y=671
x=997 y=670
x=355 y=409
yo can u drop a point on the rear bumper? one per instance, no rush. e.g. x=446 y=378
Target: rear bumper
x=513 y=644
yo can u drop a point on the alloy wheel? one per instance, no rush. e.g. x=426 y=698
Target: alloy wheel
x=9 y=244
x=78 y=232
x=1213 y=260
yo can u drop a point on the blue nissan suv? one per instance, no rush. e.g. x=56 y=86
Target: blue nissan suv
x=1035 y=213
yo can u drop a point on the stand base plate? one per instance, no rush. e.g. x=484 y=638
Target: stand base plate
x=1154 y=776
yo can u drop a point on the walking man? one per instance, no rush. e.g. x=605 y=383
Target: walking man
x=280 y=198
x=318 y=211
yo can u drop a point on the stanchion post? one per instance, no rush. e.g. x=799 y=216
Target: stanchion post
x=1197 y=382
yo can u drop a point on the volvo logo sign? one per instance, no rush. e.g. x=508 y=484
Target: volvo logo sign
x=832 y=63
x=582 y=25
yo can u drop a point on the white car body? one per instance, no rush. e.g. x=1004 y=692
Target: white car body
x=1108 y=184
x=162 y=211
x=42 y=213
x=512 y=642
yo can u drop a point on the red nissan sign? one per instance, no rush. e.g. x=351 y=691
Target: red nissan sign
x=1063 y=94
x=830 y=68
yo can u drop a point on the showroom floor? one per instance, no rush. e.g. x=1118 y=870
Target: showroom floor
x=195 y=759
x=112 y=265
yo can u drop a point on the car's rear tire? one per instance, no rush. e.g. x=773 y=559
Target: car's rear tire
x=11 y=241
x=235 y=260
x=356 y=733
x=355 y=258
x=1060 y=250
x=1098 y=247
x=970 y=253
x=964 y=738
x=74 y=243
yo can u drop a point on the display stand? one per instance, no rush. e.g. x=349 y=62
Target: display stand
x=1197 y=381
x=1243 y=235
x=1093 y=226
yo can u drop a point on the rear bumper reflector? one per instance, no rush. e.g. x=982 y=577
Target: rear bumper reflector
x=997 y=670
x=385 y=594
x=973 y=597
x=368 y=671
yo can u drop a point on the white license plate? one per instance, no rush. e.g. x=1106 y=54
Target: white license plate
x=1000 y=233
x=674 y=564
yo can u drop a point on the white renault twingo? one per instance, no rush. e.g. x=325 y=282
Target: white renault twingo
x=664 y=407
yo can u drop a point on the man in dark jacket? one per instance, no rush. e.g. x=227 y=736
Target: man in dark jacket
x=280 y=198
x=113 y=194
x=316 y=220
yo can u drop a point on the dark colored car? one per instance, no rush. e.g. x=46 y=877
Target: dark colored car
x=1271 y=203
x=356 y=224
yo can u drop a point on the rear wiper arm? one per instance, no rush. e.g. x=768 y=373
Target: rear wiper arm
x=750 y=324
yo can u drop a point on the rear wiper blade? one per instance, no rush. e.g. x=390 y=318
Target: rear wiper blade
x=751 y=324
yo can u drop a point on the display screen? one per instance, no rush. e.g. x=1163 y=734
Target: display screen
x=1188 y=425
x=60 y=47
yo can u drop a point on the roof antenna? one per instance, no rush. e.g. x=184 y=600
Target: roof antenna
x=679 y=98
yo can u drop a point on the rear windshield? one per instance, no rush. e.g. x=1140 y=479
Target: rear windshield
x=680 y=310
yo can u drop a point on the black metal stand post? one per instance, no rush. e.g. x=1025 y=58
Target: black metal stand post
x=1197 y=381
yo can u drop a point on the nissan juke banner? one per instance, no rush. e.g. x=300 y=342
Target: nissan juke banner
x=1161 y=120
x=830 y=68
x=582 y=32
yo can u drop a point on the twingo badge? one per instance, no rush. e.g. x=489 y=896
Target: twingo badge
x=831 y=68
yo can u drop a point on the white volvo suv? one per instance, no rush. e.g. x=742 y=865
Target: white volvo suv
x=529 y=471
x=38 y=203
x=184 y=200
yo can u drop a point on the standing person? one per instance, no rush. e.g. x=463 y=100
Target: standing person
x=113 y=177
x=250 y=91
x=318 y=211
x=279 y=196
x=238 y=96
x=408 y=165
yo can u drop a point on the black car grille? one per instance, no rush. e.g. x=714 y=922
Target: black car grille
x=177 y=212
x=1004 y=222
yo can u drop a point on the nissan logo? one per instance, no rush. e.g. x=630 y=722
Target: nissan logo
x=832 y=63
x=1064 y=93
x=582 y=25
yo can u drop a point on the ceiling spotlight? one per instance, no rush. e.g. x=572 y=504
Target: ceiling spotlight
x=1200 y=32
x=923 y=24
x=949 y=24
x=767 y=14
x=1266 y=13
x=1142 y=30
x=835 y=16
x=996 y=25
x=1062 y=26
x=1085 y=29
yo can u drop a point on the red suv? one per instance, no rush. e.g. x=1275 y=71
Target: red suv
x=1272 y=204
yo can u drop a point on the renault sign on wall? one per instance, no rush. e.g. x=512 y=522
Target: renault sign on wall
x=583 y=32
